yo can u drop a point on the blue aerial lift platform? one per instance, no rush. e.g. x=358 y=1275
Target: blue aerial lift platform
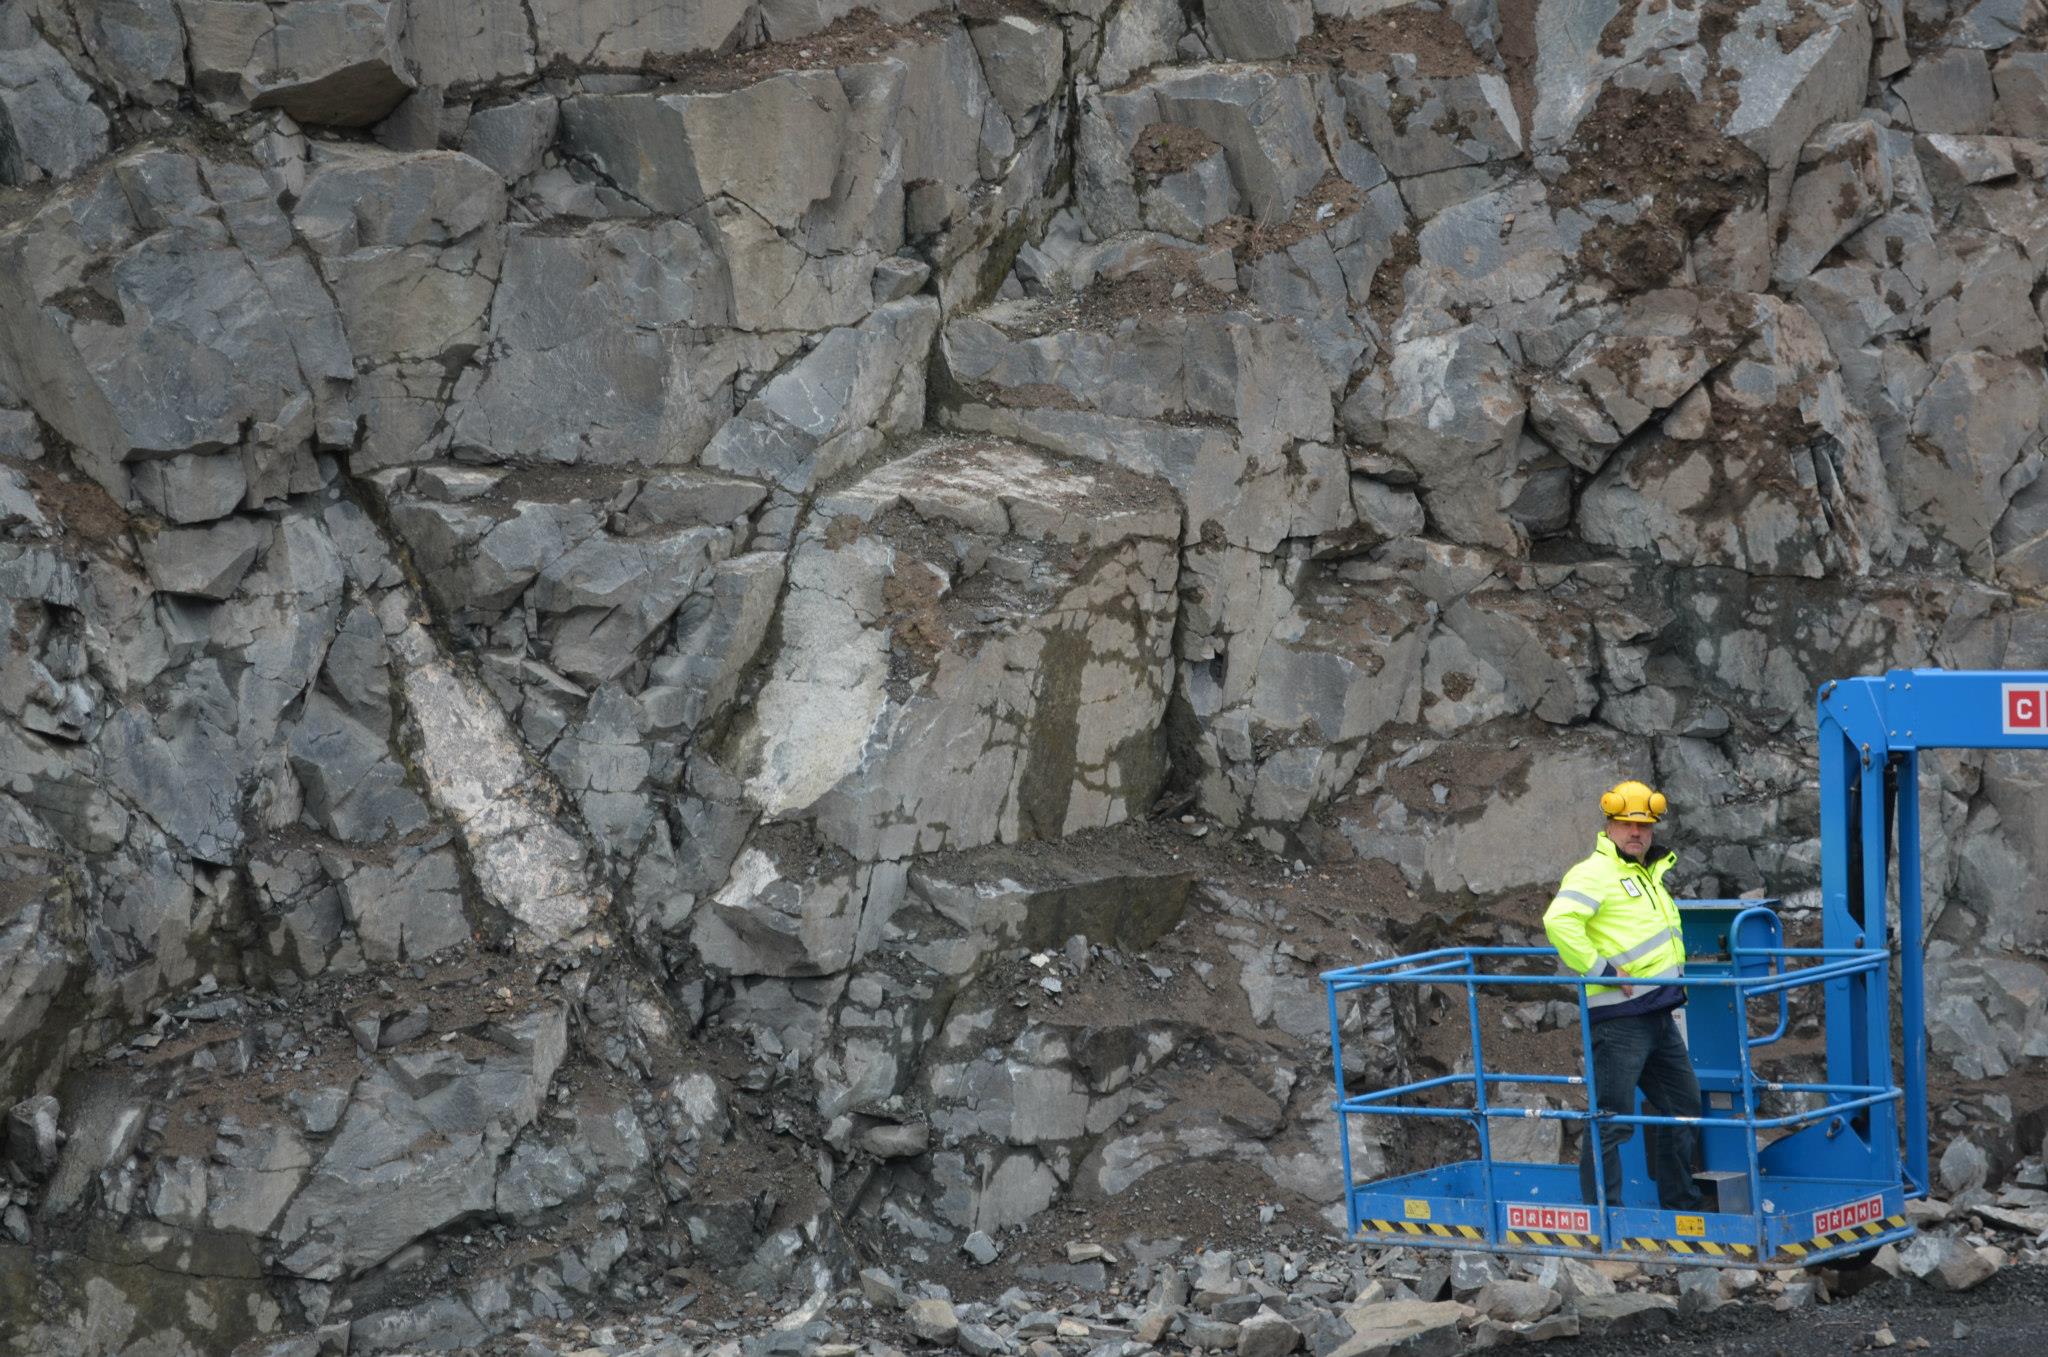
x=1827 y=1178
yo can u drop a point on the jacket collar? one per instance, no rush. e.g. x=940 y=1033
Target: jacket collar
x=1658 y=859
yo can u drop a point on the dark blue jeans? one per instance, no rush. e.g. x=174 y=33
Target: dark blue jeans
x=1646 y=1051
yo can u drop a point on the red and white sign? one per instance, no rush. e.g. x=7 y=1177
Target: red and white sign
x=1560 y=1219
x=2026 y=708
x=1842 y=1217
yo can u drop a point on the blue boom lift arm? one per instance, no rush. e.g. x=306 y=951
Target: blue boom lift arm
x=1871 y=732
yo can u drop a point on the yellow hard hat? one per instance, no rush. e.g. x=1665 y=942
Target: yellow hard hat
x=1633 y=802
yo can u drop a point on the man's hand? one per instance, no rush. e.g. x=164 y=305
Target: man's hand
x=1627 y=991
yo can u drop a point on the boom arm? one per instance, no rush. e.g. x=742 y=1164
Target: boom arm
x=1871 y=733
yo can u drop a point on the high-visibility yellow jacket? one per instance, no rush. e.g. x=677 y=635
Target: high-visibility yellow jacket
x=1611 y=912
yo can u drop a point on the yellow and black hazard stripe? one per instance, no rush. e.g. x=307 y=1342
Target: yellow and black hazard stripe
x=1554 y=1238
x=1707 y=1248
x=1421 y=1227
x=1795 y=1252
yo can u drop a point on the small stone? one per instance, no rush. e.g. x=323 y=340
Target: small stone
x=933 y=1321
x=1472 y=1271
x=1883 y=1339
x=882 y=1290
x=1267 y=1334
x=1514 y=1302
x=979 y=1340
x=1946 y=1263
x=1087 y=1253
x=981 y=1248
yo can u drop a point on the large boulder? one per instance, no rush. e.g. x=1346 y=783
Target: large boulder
x=325 y=62
x=1001 y=680
x=146 y=329
x=49 y=126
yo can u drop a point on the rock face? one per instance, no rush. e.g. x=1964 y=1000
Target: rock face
x=653 y=640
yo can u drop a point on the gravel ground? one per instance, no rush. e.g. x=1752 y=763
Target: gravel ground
x=2005 y=1317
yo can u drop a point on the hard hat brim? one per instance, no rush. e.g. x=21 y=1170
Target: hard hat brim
x=1635 y=817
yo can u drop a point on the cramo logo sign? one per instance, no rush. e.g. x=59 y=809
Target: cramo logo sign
x=1842 y=1217
x=1568 y=1219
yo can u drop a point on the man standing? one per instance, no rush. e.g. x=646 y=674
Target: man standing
x=1613 y=919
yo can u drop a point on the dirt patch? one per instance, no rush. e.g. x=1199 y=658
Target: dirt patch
x=860 y=36
x=1805 y=23
x=911 y=606
x=1614 y=38
x=1170 y=285
x=1389 y=292
x=1438 y=44
x=1663 y=154
x=86 y=512
x=1168 y=148
x=1321 y=208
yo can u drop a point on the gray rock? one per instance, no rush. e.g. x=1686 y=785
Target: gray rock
x=1514 y=1302
x=1267 y=1334
x=1471 y=1272
x=1844 y=181
x=417 y=1149
x=1427 y=125
x=1408 y=1327
x=981 y=1248
x=1963 y=1166
x=512 y=138
x=2020 y=93
x=1573 y=1279
x=136 y=47
x=454 y=44
x=979 y=1340
x=204 y=562
x=1265 y=123
x=888 y=1141
x=1945 y=1262
x=1979 y=416
x=244 y=341
x=355 y=789
x=103 y=1122
x=590 y=322
x=474 y=769
x=1021 y=59
x=802 y=755
x=1136 y=35
x=1700 y=1289
x=932 y=1321
x=192 y=487
x=897 y=278
x=1947 y=91
x=858 y=387
x=325 y=62
x=1257 y=30
x=32 y=1136
x=49 y=126
x=882 y=1290
x=1203 y=1331
x=1458 y=444
x=255 y=1172
x=1783 y=96
x=1625 y=1313
x=624 y=34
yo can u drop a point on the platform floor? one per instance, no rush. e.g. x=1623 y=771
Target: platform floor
x=1536 y=1208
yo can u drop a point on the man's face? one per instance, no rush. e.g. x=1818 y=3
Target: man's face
x=1631 y=838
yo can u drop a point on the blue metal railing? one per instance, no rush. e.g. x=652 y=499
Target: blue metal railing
x=1459 y=966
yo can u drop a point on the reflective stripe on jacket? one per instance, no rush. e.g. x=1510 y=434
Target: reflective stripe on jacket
x=1611 y=912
